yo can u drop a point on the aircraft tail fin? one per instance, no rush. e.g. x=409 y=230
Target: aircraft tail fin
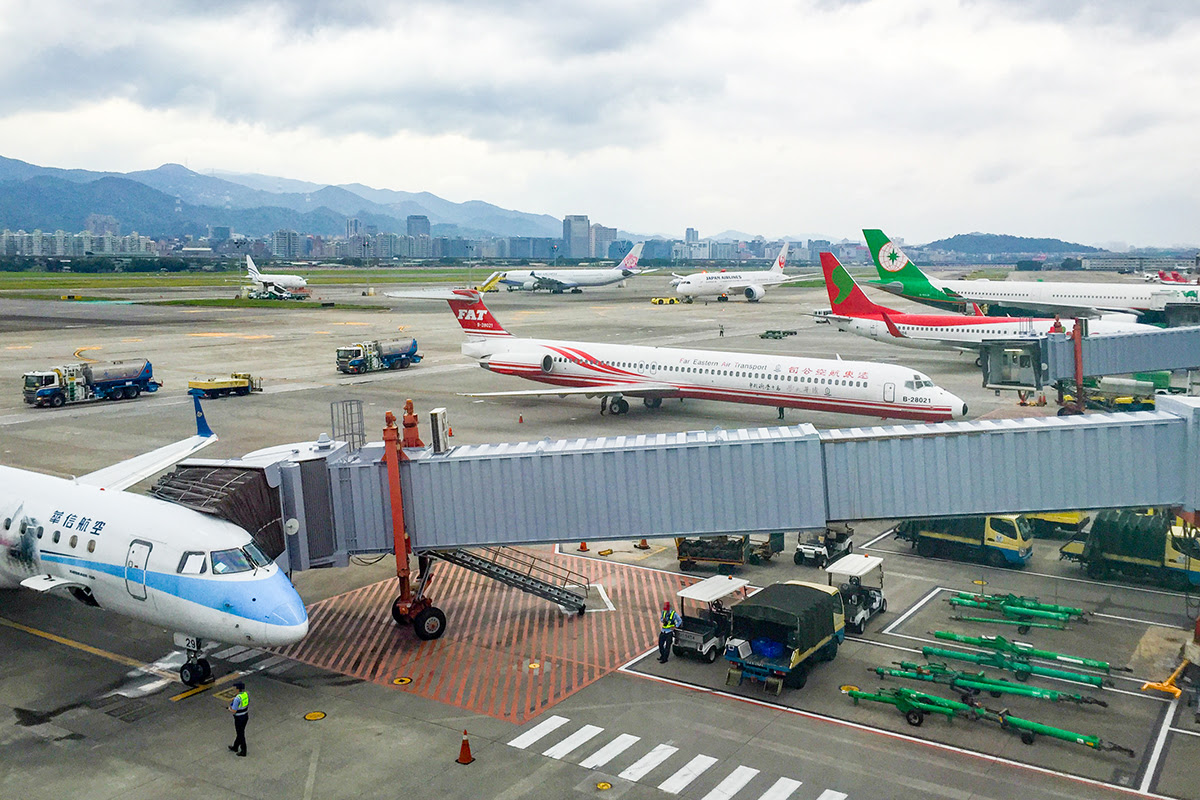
x=781 y=259
x=202 y=428
x=629 y=263
x=977 y=310
x=845 y=298
x=890 y=261
x=251 y=269
x=474 y=317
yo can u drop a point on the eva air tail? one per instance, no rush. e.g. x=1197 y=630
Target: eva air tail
x=900 y=276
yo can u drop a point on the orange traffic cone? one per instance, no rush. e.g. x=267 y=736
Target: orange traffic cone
x=449 y=431
x=583 y=547
x=464 y=752
x=642 y=545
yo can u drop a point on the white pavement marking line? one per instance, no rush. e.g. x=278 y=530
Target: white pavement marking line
x=636 y=771
x=1181 y=730
x=686 y=774
x=232 y=651
x=929 y=596
x=830 y=794
x=533 y=734
x=270 y=662
x=579 y=737
x=1134 y=620
x=883 y=535
x=1159 y=742
x=610 y=751
x=781 y=790
x=246 y=656
x=603 y=596
x=732 y=784
x=311 y=782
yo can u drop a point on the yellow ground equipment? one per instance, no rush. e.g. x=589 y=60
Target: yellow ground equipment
x=238 y=383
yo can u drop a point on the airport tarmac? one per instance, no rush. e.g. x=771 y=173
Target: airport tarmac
x=90 y=707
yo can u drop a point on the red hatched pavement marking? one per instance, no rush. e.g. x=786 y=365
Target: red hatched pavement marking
x=482 y=663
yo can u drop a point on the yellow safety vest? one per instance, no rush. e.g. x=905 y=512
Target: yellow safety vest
x=668 y=620
x=242 y=699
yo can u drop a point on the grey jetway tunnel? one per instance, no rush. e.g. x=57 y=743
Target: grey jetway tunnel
x=765 y=479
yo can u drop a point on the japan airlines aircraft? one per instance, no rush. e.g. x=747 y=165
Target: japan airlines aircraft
x=146 y=558
x=900 y=276
x=274 y=282
x=853 y=311
x=613 y=371
x=557 y=281
x=751 y=284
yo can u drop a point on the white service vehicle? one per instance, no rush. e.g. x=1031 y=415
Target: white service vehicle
x=859 y=579
x=707 y=621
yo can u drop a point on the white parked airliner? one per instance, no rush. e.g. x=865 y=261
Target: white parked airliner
x=274 y=282
x=557 y=281
x=613 y=371
x=751 y=284
x=146 y=558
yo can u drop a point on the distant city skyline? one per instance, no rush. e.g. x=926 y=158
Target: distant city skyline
x=1066 y=119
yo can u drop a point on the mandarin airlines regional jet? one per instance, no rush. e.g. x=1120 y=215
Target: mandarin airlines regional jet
x=853 y=311
x=146 y=558
x=612 y=371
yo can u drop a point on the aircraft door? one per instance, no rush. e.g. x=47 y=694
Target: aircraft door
x=889 y=393
x=135 y=568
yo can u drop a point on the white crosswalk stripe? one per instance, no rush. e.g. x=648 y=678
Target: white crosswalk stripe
x=732 y=784
x=643 y=765
x=232 y=651
x=686 y=774
x=533 y=734
x=575 y=740
x=728 y=788
x=246 y=656
x=610 y=751
x=780 y=790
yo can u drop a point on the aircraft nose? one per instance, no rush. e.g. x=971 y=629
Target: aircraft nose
x=958 y=408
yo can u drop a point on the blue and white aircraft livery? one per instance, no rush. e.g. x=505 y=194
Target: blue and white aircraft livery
x=146 y=558
x=612 y=371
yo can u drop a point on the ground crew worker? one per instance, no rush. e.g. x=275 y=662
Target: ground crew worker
x=240 y=707
x=670 y=620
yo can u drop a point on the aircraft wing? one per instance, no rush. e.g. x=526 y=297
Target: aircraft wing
x=793 y=278
x=633 y=390
x=543 y=282
x=126 y=473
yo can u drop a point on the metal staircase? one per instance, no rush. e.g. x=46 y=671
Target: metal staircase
x=522 y=571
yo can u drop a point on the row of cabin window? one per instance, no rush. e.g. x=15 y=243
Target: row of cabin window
x=735 y=374
x=74 y=540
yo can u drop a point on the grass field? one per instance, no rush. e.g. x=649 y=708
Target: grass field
x=58 y=283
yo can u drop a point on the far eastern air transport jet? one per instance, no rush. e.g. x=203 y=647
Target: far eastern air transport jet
x=146 y=558
x=853 y=311
x=751 y=284
x=557 y=281
x=900 y=276
x=614 y=371
x=273 y=282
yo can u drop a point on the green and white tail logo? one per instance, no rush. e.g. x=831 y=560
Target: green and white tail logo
x=892 y=258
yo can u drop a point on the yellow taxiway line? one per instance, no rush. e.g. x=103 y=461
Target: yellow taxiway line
x=87 y=648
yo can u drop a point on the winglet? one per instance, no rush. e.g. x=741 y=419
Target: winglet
x=978 y=310
x=202 y=428
x=891 y=326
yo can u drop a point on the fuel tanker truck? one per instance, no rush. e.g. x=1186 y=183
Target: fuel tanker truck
x=78 y=383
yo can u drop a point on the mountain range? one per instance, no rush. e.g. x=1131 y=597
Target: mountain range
x=174 y=201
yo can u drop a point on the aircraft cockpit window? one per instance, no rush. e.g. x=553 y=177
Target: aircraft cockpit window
x=257 y=556
x=909 y=385
x=193 y=563
x=225 y=562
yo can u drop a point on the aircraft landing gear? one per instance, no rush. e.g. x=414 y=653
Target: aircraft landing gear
x=617 y=405
x=652 y=402
x=195 y=670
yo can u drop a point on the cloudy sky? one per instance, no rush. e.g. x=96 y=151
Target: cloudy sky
x=1064 y=118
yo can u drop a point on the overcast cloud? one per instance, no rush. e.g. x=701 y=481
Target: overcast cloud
x=925 y=117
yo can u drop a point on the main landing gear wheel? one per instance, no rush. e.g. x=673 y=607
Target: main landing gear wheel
x=652 y=402
x=619 y=405
x=429 y=624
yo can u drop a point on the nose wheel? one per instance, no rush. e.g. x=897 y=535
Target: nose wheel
x=195 y=670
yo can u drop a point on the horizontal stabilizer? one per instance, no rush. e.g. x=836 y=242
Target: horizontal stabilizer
x=466 y=295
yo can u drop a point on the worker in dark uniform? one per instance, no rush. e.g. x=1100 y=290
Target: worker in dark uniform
x=670 y=620
x=240 y=708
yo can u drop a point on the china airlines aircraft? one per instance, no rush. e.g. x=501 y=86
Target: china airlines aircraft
x=853 y=311
x=613 y=372
x=146 y=558
x=273 y=282
x=751 y=284
x=556 y=281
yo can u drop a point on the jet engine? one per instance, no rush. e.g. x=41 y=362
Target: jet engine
x=754 y=293
x=529 y=284
x=519 y=363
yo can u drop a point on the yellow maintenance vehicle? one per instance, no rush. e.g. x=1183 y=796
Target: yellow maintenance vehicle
x=238 y=383
x=1153 y=546
x=997 y=539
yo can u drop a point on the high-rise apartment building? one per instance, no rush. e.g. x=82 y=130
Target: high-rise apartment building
x=601 y=238
x=418 y=225
x=691 y=236
x=352 y=227
x=577 y=232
